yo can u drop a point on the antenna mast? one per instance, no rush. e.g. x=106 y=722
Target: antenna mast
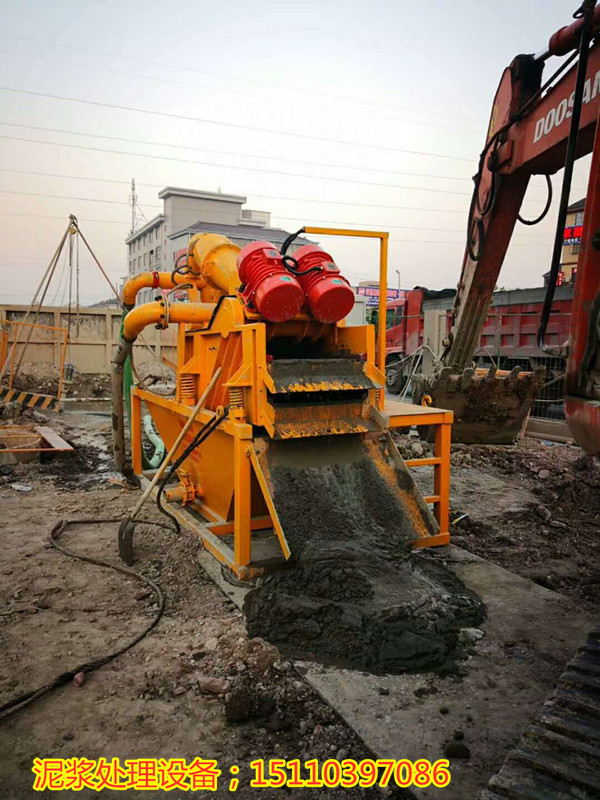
x=137 y=215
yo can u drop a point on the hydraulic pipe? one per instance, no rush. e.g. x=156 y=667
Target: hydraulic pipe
x=566 y=39
x=586 y=29
x=149 y=280
x=133 y=324
x=149 y=313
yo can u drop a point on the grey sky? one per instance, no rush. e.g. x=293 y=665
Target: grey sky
x=392 y=75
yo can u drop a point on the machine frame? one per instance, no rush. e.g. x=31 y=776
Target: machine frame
x=230 y=540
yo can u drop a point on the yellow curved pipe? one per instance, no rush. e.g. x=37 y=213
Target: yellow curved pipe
x=146 y=280
x=154 y=313
x=213 y=257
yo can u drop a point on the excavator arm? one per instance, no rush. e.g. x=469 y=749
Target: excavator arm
x=528 y=134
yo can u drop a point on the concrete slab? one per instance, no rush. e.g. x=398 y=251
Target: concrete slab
x=530 y=634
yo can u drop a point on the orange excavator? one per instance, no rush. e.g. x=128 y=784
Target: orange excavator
x=537 y=127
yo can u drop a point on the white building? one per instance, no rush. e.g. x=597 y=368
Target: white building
x=156 y=245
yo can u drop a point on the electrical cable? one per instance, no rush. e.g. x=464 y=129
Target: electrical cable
x=253 y=194
x=253 y=156
x=185 y=270
x=260 y=170
x=26 y=698
x=236 y=125
x=182 y=67
x=289 y=240
x=129 y=75
x=382 y=225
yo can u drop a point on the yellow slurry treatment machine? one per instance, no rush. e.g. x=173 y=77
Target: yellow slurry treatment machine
x=293 y=383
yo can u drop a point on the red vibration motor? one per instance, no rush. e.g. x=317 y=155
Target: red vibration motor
x=269 y=288
x=328 y=294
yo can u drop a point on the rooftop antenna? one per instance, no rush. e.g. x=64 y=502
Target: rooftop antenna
x=137 y=215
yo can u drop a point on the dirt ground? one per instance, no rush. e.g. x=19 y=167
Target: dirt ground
x=532 y=508
x=545 y=520
x=170 y=696
x=198 y=685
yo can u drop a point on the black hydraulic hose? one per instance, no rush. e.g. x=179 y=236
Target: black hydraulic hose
x=546 y=207
x=587 y=11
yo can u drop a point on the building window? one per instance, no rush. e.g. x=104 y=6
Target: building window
x=157 y=252
x=578 y=218
x=139 y=262
x=575 y=249
x=145 y=259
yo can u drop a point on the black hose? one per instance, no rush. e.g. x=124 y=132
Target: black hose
x=288 y=241
x=26 y=698
x=546 y=207
x=587 y=11
x=180 y=270
x=291 y=264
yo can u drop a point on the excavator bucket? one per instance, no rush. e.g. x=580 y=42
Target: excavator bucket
x=490 y=406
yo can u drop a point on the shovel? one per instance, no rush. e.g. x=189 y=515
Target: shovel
x=126 y=528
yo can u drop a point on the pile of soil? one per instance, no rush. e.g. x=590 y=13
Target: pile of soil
x=357 y=597
x=44 y=378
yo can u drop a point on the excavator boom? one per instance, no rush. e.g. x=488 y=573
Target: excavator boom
x=528 y=134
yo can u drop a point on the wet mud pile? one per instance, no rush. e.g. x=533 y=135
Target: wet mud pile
x=356 y=596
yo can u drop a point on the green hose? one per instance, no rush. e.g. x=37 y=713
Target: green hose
x=159 y=447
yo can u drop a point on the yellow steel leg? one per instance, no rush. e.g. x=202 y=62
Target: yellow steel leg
x=242 y=547
x=136 y=433
x=441 y=473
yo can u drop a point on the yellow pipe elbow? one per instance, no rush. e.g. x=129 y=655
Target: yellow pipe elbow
x=146 y=280
x=156 y=313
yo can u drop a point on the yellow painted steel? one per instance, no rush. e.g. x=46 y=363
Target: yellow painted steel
x=401 y=414
x=231 y=492
x=146 y=280
x=157 y=313
x=212 y=259
x=383 y=279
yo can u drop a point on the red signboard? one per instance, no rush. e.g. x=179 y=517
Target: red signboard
x=572 y=234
